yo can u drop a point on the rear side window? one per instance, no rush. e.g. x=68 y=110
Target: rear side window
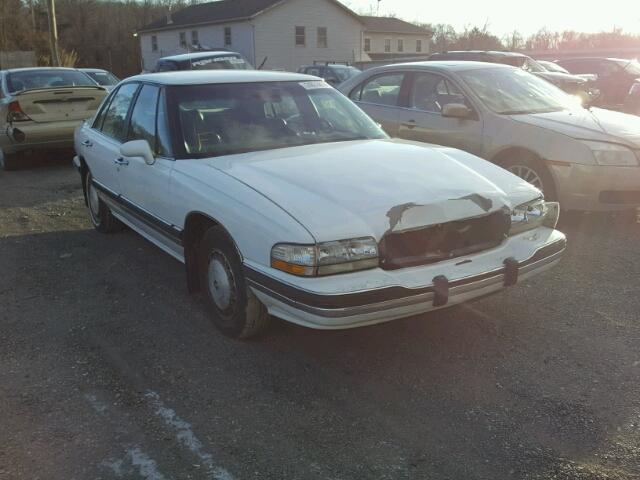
x=143 y=117
x=115 y=118
x=381 y=90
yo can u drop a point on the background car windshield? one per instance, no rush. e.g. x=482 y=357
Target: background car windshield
x=42 y=78
x=344 y=73
x=233 y=118
x=632 y=67
x=227 y=62
x=103 y=78
x=514 y=91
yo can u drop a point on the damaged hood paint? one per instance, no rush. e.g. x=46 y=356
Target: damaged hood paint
x=367 y=188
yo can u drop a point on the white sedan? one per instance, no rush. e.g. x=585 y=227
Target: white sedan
x=282 y=197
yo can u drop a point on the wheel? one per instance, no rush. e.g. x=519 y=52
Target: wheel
x=99 y=213
x=8 y=161
x=533 y=171
x=235 y=310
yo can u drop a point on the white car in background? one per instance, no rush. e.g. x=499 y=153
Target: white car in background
x=101 y=77
x=40 y=109
x=282 y=197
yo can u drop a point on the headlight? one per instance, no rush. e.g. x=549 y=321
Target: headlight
x=611 y=154
x=533 y=215
x=325 y=258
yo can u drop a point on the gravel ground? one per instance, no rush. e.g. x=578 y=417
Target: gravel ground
x=110 y=369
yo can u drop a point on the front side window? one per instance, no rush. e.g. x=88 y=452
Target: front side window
x=143 y=117
x=381 y=90
x=183 y=39
x=400 y=45
x=367 y=44
x=387 y=45
x=300 y=37
x=322 y=37
x=18 y=81
x=509 y=91
x=154 y=43
x=224 y=119
x=227 y=36
x=430 y=93
x=115 y=118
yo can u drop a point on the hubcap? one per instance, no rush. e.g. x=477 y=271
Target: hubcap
x=221 y=282
x=528 y=175
x=94 y=201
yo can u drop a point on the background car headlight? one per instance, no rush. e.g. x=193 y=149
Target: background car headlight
x=325 y=258
x=533 y=215
x=612 y=155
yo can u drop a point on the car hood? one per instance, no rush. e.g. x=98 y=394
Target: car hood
x=367 y=188
x=589 y=124
x=559 y=78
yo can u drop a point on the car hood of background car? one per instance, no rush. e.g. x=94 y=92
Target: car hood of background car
x=559 y=78
x=367 y=188
x=589 y=124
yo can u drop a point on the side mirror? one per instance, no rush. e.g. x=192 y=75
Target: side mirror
x=138 y=148
x=456 y=110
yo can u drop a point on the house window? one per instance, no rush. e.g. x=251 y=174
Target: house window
x=367 y=44
x=227 y=36
x=183 y=39
x=418 y=45
x=300 y=37
x=387 y=45
x=194 y=37
x=400 y=45
x=154 y=43
x=322 y=37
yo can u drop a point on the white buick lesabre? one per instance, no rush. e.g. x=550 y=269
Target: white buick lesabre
x=282 y=197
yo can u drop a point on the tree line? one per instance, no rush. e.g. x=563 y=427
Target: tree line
x=99 y=33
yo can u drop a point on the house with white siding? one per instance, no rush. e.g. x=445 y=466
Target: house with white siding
x=277 y=34
x=386 y=38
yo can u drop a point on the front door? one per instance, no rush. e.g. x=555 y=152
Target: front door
x=423 y=121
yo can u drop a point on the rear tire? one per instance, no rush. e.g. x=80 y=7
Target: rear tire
x=532 y=170
x=235 y=310
x=8 y=161
x=99 y=213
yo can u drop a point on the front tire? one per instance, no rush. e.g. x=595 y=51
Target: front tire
x=235 y=310
x=99 y=213
x=8 y=162
x=533 y=171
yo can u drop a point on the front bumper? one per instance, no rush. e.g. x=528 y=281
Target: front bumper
x=375 y=296
x=38 y=136
x=595 y=187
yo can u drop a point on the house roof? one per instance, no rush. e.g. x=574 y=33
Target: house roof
x=219 y=12
x=392 y=25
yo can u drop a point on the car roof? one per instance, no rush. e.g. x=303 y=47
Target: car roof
x=495 y=53
x=200 y=77
x=195 y=55
x=30 y=69
x=449 y=65
x=93 y=70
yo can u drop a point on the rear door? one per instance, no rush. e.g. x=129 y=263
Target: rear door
x=146 y=187
x=422 y=121
x=380 y=97
x=100 y=143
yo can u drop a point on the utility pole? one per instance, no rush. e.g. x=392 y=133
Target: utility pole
x=53 y=32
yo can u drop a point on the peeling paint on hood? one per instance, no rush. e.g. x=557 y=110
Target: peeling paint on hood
x=365 y=188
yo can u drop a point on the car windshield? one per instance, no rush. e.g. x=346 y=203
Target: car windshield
x=224 y=62
x=633 y=67
x=345 y=73
x=103 y=78
x=18 y=81
x=223 y=119
x=513 y=91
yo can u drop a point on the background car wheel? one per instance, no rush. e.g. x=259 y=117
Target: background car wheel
x=8 y=161
x=533 y=171
x=99 y=213
x=236 y=311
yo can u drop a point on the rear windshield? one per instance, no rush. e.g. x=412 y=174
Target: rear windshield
x=224 y=62
x=103 y=78
x=46 y=78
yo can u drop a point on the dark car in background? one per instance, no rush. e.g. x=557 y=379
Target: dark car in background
x=214 y=60
x=572 y=84
x=617 y=79
x=332 y=73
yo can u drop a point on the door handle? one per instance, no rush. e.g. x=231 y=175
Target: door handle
x=121 y=161
x=410 y=124
x=87 y=143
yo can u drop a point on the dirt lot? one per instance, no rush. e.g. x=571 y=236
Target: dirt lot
x=110 y=369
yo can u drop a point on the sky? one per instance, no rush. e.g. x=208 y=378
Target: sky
x=504 y=17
